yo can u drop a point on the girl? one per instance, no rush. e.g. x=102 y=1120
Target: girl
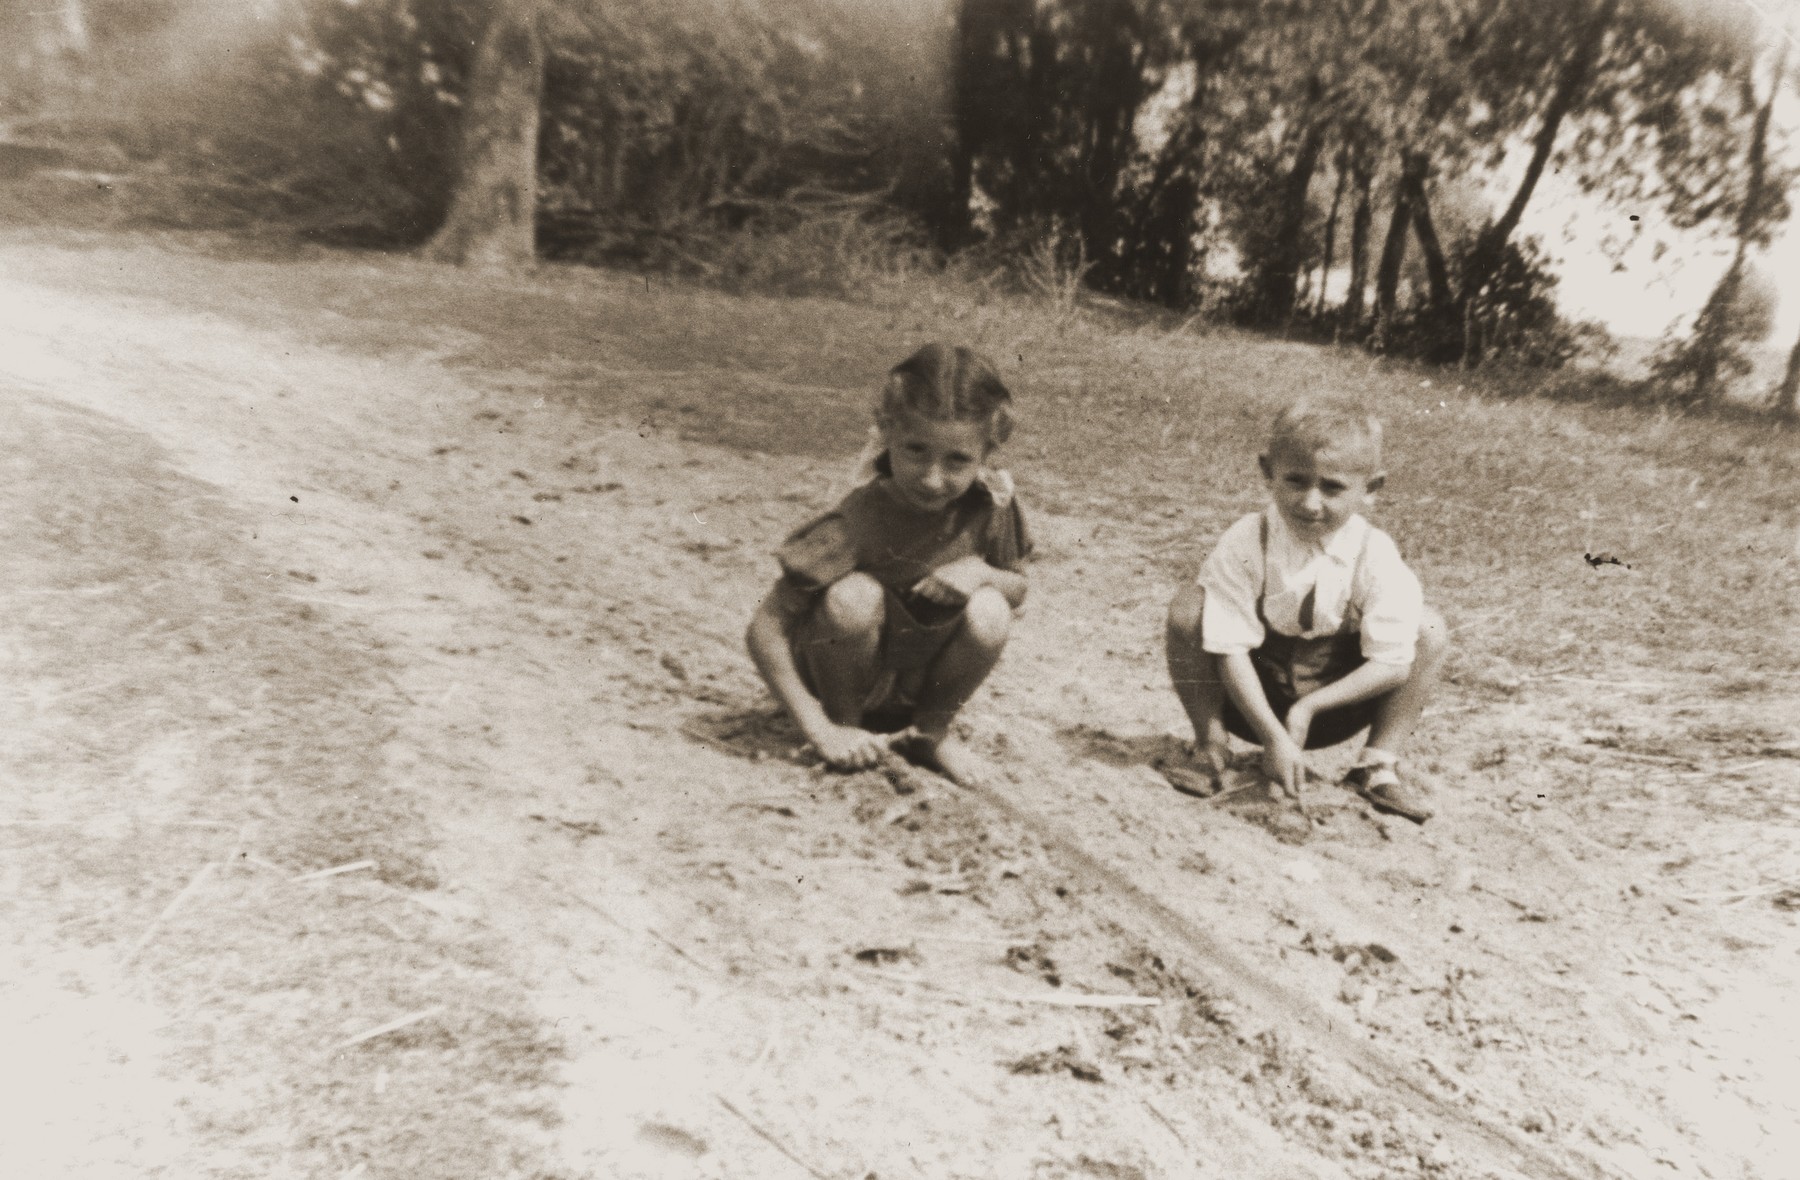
x=893 y=607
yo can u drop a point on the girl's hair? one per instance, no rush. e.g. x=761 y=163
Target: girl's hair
x=1311 y=425
x=949 y=383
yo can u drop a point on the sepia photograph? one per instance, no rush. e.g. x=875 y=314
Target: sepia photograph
x=890 y=589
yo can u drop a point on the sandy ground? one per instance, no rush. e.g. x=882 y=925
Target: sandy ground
x=1581 y=967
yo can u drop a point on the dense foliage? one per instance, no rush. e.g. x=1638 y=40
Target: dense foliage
x=1310 y=165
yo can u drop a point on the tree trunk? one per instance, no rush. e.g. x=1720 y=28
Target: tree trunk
x=1331 y=223
x=1787 y=394
x=1362 y=219
x=1281 y=275
x=1490 y=245
x=1393 y=254
x=972 y=116
x=1418 y=167
x=1714 y=334
x=492 y=219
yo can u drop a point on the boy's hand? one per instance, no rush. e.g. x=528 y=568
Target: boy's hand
x=1285 y=762
x=848 y=747
x=952 y=584
x=1299 y=722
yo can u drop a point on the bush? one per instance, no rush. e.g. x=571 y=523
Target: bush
x=846 y=249
x=1513 y=321
x=1699 y=367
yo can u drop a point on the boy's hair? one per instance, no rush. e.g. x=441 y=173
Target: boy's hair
x=949 y=383
x=1311 y=425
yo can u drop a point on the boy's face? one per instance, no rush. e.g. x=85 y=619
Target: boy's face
x=934 y=463
x=1317 y=491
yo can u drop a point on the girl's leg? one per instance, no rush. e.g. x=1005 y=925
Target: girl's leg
x=953 y=678
x=839 y=644
x=1400 y=710
x=1196 y=676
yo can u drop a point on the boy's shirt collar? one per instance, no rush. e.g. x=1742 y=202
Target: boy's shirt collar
x=1343 y=546
x=872 y=465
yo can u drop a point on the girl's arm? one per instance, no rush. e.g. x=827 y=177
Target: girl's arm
x=771 y=649
x=770 y=642
x=952 y=584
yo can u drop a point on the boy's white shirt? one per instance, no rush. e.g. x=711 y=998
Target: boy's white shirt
x=997 y=480
x=1386 y=598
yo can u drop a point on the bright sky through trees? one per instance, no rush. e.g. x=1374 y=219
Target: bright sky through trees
x=1636 y=293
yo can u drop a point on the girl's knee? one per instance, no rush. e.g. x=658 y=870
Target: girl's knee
x=987 y=617
x=1185 y=612
x=853 y=605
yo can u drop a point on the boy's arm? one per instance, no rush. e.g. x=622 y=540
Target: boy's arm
x=1283 y=757
x=1371 y=680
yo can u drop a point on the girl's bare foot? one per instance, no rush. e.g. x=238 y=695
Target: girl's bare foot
x=945 y=756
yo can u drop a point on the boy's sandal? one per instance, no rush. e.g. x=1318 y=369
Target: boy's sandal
x=1201 y=784
x=1385 y=792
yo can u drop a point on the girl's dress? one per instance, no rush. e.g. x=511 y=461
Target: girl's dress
x=873 y=531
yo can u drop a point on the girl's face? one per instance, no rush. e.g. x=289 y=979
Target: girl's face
x=933 y=462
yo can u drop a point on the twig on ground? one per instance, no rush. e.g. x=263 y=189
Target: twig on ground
x=770 y=1139
x=403 y=694
x=352 y=867
x=168 y=911
x=1053 y=999
x=1165 y=1121
x=1229 y=792
x=1629 y=685
x=381 y=1030
x=1658 y=759
x=1087 y=1000
x=618 y=925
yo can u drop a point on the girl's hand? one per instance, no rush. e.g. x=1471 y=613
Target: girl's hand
x=847 y=747
x=1285 y=762
x=951 y=585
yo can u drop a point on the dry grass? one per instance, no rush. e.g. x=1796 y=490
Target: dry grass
x=1154 y=424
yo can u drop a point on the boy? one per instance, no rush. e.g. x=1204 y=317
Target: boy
x=1305 y=626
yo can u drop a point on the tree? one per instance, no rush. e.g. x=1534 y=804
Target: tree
x=493 y=208
x=1736 y=313
x=1571 y=85
x=1787 y=394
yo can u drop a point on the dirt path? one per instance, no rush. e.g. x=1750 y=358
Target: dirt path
x=753 y=968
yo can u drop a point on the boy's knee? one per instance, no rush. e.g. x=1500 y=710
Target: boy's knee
x=1185 y=612
x=854 y=604
x=987 y=617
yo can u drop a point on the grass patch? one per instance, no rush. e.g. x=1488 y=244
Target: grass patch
x=1153 y=424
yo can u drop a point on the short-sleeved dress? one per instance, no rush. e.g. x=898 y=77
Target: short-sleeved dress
x=873 y=531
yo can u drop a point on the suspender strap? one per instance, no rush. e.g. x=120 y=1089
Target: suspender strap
x=1262 y=592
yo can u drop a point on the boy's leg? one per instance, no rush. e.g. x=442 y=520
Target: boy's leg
x=1196 y=675
x=839 y=643
x=1401 y=709
x=952 y=679
x=1374 y=776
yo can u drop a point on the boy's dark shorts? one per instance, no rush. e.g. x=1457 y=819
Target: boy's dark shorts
x=1328 y=728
